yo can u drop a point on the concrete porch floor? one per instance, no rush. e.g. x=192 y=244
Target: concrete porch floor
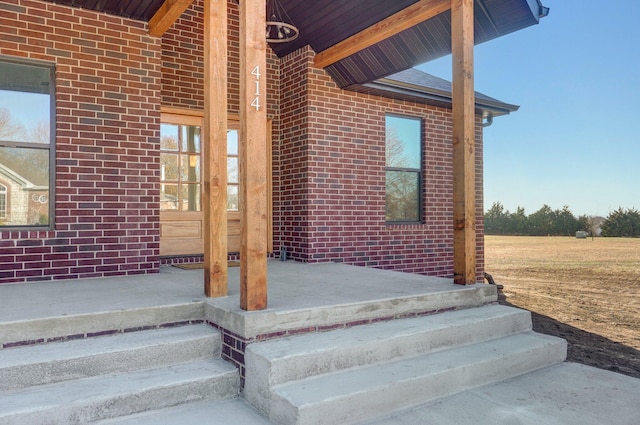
x=323 y=294
x=299 y=294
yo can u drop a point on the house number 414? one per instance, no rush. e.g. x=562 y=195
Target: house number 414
x=256 y=100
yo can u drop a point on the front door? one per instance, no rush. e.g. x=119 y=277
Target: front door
x=181 y=218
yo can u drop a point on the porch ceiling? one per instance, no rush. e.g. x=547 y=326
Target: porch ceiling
x=140 y=10
x=324 y=23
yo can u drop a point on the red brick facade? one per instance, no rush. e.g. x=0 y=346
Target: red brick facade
x=328 y=151
x=107 y=143
x=332 y=163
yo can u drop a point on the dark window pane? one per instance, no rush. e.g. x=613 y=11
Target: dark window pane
x=402 y=194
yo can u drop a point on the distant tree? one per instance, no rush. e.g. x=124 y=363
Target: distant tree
x=495 y=220
x=9 y=129
x=565 y=223
x=541 y=221
x=518 y=222
x=622 y=223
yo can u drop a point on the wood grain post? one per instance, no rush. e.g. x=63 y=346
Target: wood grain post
x=214 y=147
x=253 y=156
x=464 y=199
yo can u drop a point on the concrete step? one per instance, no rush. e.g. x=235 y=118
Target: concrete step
x=227 y=412
x=288 y=359
x=79 y=325
x=363 y=393
x=88 y=400
x=22 y=367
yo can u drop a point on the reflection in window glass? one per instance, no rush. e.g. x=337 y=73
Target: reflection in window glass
x=180 y=170
x=190 y=197
x=169 y=197
x=169 y=167
x=232 y=171
x=169 y=137
x=232 y=142
x=190 y=139
x=232 y=198
x=403 y=153
x=25 y=144
x=190 y=168
x=402 y=189
x=3 y=201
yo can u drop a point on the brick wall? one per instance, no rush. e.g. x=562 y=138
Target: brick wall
x=183 y=77
x=332 y=201
x=328 y=150
x=183 y=63
x=107 y=143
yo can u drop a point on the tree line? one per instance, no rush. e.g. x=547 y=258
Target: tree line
x=560 y=222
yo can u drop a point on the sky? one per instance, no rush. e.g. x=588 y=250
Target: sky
x=576 y=138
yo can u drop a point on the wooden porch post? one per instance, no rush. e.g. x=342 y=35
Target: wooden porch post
x=214 y=146
x=464 y=199
x=253 y=156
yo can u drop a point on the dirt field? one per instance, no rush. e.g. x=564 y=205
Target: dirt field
x=586 y=291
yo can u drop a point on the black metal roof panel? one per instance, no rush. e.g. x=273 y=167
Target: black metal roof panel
x=141 y=10
x=323 y=24
x=417 y=86
x=431 y=40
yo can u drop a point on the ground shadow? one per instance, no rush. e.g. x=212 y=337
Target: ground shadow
x=585 y=347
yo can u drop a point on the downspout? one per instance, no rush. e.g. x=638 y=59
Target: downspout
x=488 y=122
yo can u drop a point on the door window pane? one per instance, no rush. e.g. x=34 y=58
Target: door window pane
x=190 y=197
x=190 y=139
x=180 y=170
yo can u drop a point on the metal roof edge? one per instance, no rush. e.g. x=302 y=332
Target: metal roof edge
x=487 y=105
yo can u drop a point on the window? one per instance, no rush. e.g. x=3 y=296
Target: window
x=233 y=177
x=180 y=171
x=26 y=143
x=403 y=169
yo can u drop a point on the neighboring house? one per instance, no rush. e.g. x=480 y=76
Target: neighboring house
x=360 y=152
x=21 y=201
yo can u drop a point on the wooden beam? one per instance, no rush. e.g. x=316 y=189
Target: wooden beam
x=253 y=156
x=168 y=13
x=388 y=27
x=214 y=197
x=464 y=182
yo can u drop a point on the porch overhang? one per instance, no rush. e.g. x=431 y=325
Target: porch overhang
x=324 y=27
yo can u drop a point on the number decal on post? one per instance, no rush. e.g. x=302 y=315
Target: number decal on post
x=256 y=101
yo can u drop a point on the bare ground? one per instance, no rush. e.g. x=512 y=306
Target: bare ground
x=586 y=291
